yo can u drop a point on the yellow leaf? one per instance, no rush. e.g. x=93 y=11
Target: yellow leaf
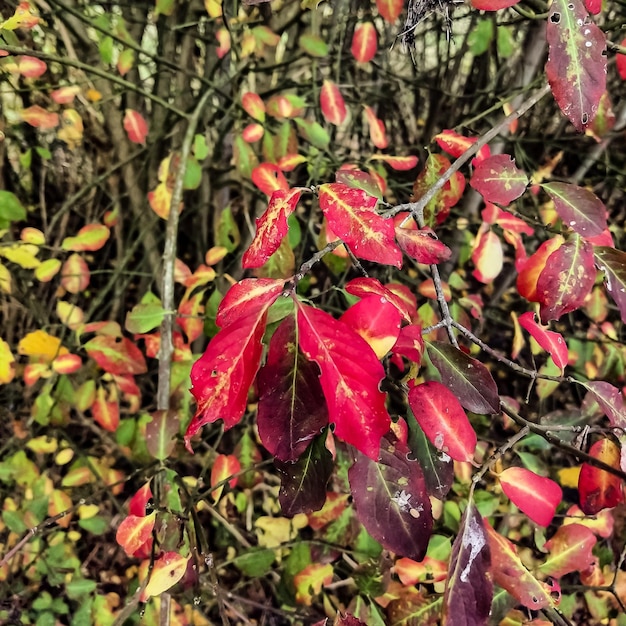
x=22 y=254
x=41 y=345
x=5 y=279
x=274 y=531
x=70 y=315
x=71 y=128
x=47 y=270
x=568 y=477
x=167 y=571
x=213 y=8
x=7 y=360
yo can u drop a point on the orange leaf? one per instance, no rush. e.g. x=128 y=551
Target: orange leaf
x=65 y=95
x=598 y=489
x=310 y=581
x=91 y=237
x=75 y=274
x=224 y=467
x=30 y=67
x=67 y=364
x=390 y=9
x=135 y=126
x=135 y=531
x=40 y=118
x=168 y=569
x=253 y=105
x=268 y=178
x=116 y=355
x=106 y=412
x=377 y=129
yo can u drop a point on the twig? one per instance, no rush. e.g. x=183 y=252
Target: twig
x=169 y=259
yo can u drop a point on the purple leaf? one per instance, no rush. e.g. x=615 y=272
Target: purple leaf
x=613 y=263
x=578 y=207
x=469 y=380
x=576 y=67
x=469 y=588
x=391 y=500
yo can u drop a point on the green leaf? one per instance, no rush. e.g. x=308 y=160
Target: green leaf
x=14 y=522
x=480 y=38
x=313 y=45
x=79 y=587
x=11 y=209
x=200 y=148
x=227 y=231
x=106 y=50
x=144 y=317
x=255 y=563
x=94 y=525
x=193 y=174
x=314 y=133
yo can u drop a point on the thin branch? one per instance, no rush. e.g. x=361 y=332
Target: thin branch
x=169 y=259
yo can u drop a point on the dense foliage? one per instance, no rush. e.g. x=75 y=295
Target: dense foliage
x=312 y=313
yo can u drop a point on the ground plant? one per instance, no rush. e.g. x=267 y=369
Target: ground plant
x=312 y=312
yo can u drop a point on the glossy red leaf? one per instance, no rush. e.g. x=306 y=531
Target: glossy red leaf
x=253 y=105
x=268 y=178
x=436 y=211
x=455 y=144
x=292 y=409
x=493 y=5
x=377 y=320
x=364 y=42
x=222 y=376
x=576 y=66
x=271 y=227
x=469 y=587
x=398 y=163
x=350 y=378
x=569 y=551
x=511 y=574
x=378 y=134
x=135 y=126
x=391 y=500
x=535 y=495
x=366 y=286
x=441 y=417
x=533 y=266
x=553 y=343
x=351 y=216
x=598 y=489
x=332 y=103
x=497 y=179
x=566 y=280
x=466 y=377
x=245 y=297
x=410 y=343
x=613 y=263
x=579 y=208
x=390 y=9
x=422 y=245
x=303 y=482
x=116 y=355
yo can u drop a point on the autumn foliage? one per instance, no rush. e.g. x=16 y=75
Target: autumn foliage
x=276 y=359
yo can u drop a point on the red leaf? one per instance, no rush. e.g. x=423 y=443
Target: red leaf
x=578 y=207
x=357 y=179
x=116 y=355
x=40 y=118
x=252 y=133
x=390 y=9
x=611 y=401
x=553 y=343
x=620 y=61
x=191 y=316
x=138 y=503
x=351 y=216
x=391 y=500
x=364 y=42
x=410 y=343
x=350 y=378
x=566 y=280
x=135 y=126
x=469 y=587
x=442 y=418
x=576 y=66
x=30 y=67
x=365 y=287
x=422 y=245
x=332 y=103
x=511 y=574
x=497 y=179
x=292 y=410
x=378 y=135
x=455 y=144
x=598 y=489
x=398 y=163
x=253 y=105
x=106 y=412
x=534 y=495
x=593 y=6
x=268 y=178
x=570 y=551
x=613 y=263
x=377 y=320
x=271 y=227
x=247 y=297
x=222 y=376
